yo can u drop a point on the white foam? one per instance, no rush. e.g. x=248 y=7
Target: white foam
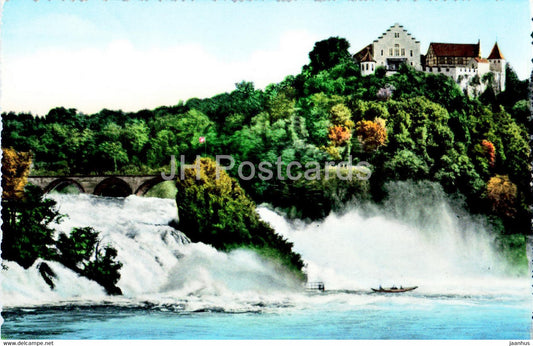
x=353 y=251
x=22 y=287
x=436 y=249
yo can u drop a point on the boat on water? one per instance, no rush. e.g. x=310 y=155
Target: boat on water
x=394 y=289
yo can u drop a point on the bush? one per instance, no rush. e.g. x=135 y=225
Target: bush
x=76 y=251
x=27 y=234
x=218 y=212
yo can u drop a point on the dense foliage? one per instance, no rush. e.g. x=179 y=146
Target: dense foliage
x=26 y=228
x=80 y=251
x=27 y=235
x=214 y=209
x=407 y=126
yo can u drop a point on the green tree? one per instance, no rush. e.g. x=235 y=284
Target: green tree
x=521 y=113
x=26 y=227
x=281 y=106
x=77 y=250
x=161 y=147
x=80 y=148
x=110 y=147
x=515 y=89
x=406 y=165
x=136 y=134
x=217 y=211
x=104 y=269
x=114 y=151
x=328 y=53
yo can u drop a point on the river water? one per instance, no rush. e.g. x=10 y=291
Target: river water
x=175 y=289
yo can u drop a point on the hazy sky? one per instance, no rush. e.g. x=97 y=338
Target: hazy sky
x=136 y=54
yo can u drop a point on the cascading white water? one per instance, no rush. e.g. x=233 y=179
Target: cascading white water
x=416 y=238
x=159 y=263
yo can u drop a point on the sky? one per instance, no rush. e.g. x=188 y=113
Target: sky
x=134 y=55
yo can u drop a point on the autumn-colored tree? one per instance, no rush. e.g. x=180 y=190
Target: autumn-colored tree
x=15 y=170
x=490 y=152
x=502 y=193
x=339 y=135
x=371 y=134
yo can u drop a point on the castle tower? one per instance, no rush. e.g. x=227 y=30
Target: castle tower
x=497 y=66
x=367 y=64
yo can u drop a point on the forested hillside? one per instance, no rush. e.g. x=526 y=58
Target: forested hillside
x=408 y=126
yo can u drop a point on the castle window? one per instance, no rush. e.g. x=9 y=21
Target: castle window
x=396 y=35
x=403 y=51
x=396 y=50
x=372 y=67
x=382 y=52
x=411 y=52
x=390 y=51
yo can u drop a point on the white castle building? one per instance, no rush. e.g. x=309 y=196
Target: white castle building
x=461 y=62
x=393 y=48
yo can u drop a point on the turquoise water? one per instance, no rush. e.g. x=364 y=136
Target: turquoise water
x=374 y=316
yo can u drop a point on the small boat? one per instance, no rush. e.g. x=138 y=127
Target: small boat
x=394 y=289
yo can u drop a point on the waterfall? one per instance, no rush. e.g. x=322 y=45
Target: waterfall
x=159 y=262
x=416 y=237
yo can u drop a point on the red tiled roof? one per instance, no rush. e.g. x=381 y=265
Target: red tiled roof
x=481 y=60
x=495 y=53
x=456 y=49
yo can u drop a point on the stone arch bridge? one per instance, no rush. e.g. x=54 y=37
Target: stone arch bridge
x=107 y=185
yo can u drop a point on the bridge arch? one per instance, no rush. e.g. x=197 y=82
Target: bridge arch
x=113 y=187
x=63 y=182
x=147 y=185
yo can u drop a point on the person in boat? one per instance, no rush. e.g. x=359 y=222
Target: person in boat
x=381 y=289
x=394 y=288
